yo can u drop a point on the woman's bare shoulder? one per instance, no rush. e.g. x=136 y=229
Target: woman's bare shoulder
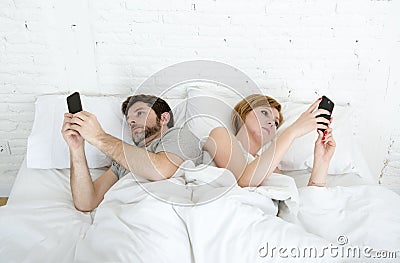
x=219 y=136
x=220 y=132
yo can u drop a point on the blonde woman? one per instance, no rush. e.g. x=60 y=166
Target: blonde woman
x=255 y=121
x=349 y=214
x=241 y=220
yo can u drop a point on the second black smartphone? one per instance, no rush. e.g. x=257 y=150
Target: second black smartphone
x=328 y=105
x=74 y=103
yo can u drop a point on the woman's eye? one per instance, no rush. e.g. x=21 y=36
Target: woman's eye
x=276 y=124
x=264 y=112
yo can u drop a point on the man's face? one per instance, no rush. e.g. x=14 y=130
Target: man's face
x=143 y=123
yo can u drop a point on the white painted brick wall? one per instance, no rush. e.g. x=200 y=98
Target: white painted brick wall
x=348 y=48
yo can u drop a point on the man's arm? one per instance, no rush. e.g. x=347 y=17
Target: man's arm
x=87 y=194
x=152 y=166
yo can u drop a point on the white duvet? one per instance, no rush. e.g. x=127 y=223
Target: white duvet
x=242 y=224
x=201 y=215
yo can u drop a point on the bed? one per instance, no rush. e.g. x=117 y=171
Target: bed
x=197 y=215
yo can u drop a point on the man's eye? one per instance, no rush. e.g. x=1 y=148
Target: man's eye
x=264 y=112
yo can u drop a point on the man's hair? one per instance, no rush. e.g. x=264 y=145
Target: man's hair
x=157 y=104
x=246 y=105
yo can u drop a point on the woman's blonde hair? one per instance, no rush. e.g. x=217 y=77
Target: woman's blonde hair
x=241 y=109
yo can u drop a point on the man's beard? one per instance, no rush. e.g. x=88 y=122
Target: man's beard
x=140 y=137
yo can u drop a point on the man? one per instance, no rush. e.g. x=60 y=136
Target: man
x=159 y=150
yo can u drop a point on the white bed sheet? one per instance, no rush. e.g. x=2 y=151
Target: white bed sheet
x=32 y=185
x=43 y=223
x=234 y=227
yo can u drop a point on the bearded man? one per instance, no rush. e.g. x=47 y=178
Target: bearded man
x=158 y=150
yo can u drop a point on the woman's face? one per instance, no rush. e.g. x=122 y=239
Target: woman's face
x=261 y=123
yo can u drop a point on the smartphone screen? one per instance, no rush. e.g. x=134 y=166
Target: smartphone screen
x=74 y=103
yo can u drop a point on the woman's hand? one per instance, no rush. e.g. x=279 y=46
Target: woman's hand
x=324 y=146
x=308 y=121
x=323 y=152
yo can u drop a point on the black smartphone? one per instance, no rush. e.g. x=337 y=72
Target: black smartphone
x=328 y=105
x=74 y=103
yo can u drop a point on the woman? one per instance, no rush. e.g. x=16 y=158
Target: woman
x=255 y=121
x=242 y=219
x=365 y=215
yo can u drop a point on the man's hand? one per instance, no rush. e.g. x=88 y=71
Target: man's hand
x=72 y=137
x=87 y=125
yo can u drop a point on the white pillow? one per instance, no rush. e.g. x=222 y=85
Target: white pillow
x=343 y=159
x=209 y=107
x=300 y=154
x=178 y=107
x=46 y=146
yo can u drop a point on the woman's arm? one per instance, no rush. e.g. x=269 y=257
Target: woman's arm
x=226 y=152
x=323 y=153
x=264 y=165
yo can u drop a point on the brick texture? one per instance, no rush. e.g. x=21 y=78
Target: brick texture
x=299 y=49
